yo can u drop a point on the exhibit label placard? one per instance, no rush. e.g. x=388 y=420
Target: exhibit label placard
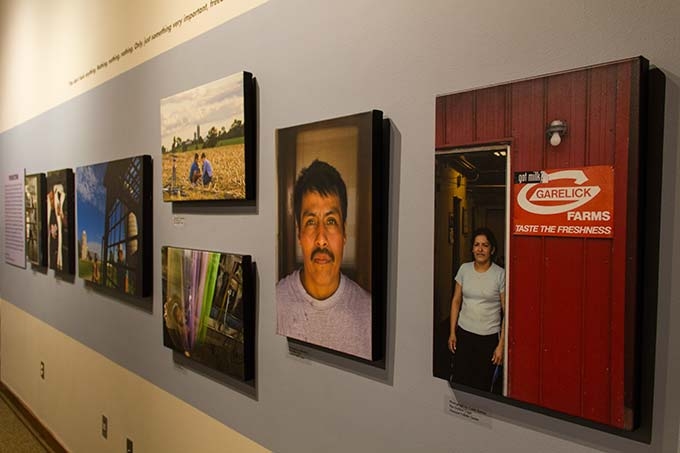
x=15 y=246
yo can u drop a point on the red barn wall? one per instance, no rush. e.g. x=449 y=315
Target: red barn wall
x=571 y=300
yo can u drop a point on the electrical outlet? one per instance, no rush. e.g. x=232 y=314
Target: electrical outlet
x=105 y=427
x=129 y=446
x=42 y=370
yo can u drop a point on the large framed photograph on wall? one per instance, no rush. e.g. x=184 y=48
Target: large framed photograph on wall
x=115 y=225
x=549 y=303
x=333 y=186
x=209 y=309
x=208 y=141
x=36 y=230
x=60 y=221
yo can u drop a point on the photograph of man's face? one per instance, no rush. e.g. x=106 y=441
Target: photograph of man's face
x=325 y=225
x=321 y=234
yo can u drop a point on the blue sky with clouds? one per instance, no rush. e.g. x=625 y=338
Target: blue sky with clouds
x=91 y=204
x=216 y=103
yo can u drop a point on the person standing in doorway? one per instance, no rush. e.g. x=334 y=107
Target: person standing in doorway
x=477 y=332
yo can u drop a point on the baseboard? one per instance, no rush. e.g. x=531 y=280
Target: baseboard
x=43 y=434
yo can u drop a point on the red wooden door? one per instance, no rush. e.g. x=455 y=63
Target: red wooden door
x=571 y=301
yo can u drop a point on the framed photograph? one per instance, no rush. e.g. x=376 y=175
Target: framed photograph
x=60 y=221
x=209 y=309
x=208 y=141
x=36 y=230
x=549 y=303
x=115 y=225
x=333 y=186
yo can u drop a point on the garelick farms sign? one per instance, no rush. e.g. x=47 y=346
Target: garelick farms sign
x=574 y=202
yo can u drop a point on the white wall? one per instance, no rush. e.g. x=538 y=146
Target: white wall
x=44 y=46
x=81 y=385
x=316 y=60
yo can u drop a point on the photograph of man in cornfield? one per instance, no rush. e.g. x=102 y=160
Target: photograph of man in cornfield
x=203 y=143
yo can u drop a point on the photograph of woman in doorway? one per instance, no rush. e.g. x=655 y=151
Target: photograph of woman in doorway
x=476 y=338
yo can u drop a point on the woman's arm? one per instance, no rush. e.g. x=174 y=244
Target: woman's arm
x=456 y=301
x=497 y=357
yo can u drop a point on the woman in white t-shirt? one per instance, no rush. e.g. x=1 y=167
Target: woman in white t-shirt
x=477 y=322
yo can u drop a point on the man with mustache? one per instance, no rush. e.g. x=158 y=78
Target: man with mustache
x=317 y=303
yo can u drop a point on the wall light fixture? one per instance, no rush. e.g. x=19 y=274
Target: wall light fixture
x=556 y=131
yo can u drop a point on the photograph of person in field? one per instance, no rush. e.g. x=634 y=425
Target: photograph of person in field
x=208 y=120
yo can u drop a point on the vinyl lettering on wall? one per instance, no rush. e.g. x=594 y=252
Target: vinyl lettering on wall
x=139 y=44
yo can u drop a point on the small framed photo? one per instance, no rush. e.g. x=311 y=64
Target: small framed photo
x=209 y=309
x=208 y=141
x=115 y=225
x=36 y=231
x=60 y=221
x=333 y=186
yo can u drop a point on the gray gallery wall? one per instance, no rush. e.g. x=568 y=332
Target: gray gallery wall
x=318 y=60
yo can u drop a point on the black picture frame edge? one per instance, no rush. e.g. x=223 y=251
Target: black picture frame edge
x=147 y=225
x=250 y=135
x=380 y=206
x=249 y=322
x=70 y=181
x=651 y=119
